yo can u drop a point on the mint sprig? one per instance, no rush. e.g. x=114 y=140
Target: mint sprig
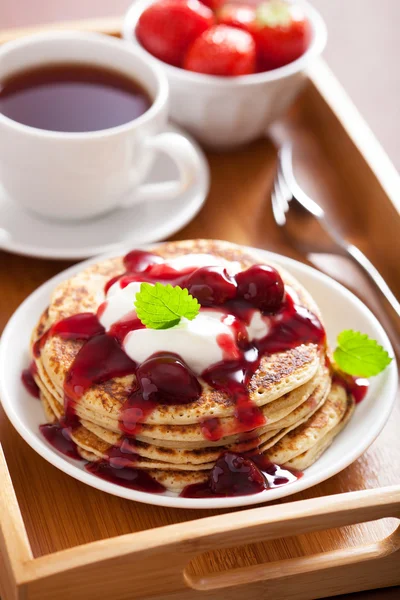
x=162 y=306
x=357 y=354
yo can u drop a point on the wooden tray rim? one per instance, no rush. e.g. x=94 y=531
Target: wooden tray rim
x=24 y=576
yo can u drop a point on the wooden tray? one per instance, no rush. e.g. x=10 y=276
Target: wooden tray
x=62 y=539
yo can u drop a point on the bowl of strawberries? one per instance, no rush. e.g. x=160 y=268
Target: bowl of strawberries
x=232 y=68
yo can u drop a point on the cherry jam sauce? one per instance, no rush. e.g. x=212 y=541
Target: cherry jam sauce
x=135 y=479
x=29 y=382
x=290 y=326
x=164 y=378
x=356 y=386
x=59 y=437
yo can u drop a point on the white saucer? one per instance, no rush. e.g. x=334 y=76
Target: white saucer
x=341 y=310
x=140 y=224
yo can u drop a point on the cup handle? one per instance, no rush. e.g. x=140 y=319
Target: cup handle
x=186 y=159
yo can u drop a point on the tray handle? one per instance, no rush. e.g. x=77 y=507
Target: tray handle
x=154 y=563
x=302 y=517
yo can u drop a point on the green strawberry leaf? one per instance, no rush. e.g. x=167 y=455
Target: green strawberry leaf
x=359 y=355
x=274 y=14
x=162 y=306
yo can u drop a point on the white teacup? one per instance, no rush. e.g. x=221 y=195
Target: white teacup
x=82 y=175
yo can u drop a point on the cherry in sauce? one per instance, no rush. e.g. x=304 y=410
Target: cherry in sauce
x=162 y=379
x=166 y=379
x=235 y=475
x=240 y=475
x=139 y=260
x=211 y=285
x=261 y=286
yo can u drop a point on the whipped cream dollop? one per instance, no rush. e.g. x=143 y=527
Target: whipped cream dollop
x=206 y=340
x=196 y=341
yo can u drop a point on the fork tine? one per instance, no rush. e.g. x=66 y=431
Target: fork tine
x=282 y=192
x=277 y=210
x=286 y=166
x=285 y=193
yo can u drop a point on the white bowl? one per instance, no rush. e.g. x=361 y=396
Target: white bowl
x=223 y=112
x=341 y=310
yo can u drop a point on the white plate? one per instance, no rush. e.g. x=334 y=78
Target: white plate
x=25 y=233
x=341 y=310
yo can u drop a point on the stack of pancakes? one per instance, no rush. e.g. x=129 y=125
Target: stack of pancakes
x=303 y=409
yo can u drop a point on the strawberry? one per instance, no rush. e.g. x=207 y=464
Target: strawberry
x=213 y=4
x=282 y=33
x=222 y=50
x=167 y=28
x=242 y=16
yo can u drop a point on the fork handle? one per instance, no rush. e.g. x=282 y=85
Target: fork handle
x=374 y=275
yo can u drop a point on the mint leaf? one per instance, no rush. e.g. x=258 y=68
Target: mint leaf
x=359 y=355
x=162 y=306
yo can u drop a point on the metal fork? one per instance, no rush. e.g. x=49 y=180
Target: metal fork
x=307 y=227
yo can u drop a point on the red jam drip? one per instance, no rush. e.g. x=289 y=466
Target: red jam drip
x=135 y=411
x=356 y=386
x=160 y=273
x=100 y=359
x=134 y=479
x=122 y=455
x=82 y=326
x=292 y=325
x=59 y=437
x=241 y=475
x=212 y=429
x=140 y=260
x=40 y=342
x=111 y=282
x=29 y=382
x=289 y=327
x=121 y=328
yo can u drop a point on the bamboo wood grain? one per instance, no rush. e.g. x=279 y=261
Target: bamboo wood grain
x=153 y=564
x=15 y=550
x=90 y=545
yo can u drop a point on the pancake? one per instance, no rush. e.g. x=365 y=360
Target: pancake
x=302 y=411
x=174 y=481
x=99 y=442
x=306 y=436
x=305 y=460
x=178 y=434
